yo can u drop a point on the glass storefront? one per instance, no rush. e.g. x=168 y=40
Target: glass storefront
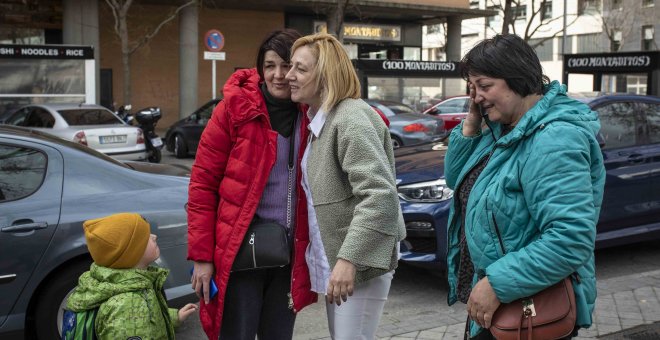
x=44 y=74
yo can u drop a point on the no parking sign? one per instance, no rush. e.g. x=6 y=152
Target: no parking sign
x=214 y=40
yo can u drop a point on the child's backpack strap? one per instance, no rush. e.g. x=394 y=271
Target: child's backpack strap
x=79 y=325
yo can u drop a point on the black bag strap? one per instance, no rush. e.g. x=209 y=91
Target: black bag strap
x=292 y=144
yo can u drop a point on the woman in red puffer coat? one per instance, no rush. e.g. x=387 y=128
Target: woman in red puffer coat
x=241 y=170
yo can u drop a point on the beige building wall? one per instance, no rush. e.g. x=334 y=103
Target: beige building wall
x=155 y=66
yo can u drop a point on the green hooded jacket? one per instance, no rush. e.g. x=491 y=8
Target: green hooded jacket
x=130 y=302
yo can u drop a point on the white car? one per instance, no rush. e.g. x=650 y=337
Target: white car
x=90 y=125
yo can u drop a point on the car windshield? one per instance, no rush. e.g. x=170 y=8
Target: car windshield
x=90 y=116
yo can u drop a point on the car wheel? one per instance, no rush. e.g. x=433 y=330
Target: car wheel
x=52 y=299
x=180 y=149
x=396 y=142
x=154 y=156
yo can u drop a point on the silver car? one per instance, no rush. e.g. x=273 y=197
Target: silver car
x=48 y=188
x=408 y=127
x=90 y=125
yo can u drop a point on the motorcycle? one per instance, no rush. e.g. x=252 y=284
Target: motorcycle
x=147 y=119
x=124 y=113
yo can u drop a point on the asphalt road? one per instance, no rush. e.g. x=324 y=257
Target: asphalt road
x=416 y=294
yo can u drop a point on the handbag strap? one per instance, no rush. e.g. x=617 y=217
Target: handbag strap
x=292 y=143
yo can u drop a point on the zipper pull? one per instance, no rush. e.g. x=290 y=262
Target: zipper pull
x=251 y=239
x=290 y=300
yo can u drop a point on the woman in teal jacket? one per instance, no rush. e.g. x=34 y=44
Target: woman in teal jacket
x=528 y=186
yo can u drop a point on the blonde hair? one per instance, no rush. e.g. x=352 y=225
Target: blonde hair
x=334 y=73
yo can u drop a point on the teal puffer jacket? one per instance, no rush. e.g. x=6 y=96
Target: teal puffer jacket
x=532 y=213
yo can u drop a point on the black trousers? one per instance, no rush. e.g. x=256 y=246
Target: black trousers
x=257 y=304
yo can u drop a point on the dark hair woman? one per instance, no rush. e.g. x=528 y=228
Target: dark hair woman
x=528 y=186
x=241 y=171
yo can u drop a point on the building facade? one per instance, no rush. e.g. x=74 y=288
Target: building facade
x=592 y=26
x=170 y=71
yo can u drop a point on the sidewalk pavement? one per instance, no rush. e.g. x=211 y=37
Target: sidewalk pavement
x=627 y=307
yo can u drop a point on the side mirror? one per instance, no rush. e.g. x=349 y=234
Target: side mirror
x=433 y=111
x=193 y=117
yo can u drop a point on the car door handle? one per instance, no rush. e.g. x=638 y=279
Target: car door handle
x=7 y=278
x=21 y=228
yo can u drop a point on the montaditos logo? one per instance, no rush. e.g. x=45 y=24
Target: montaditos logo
x=417 y=65
x=610 y=61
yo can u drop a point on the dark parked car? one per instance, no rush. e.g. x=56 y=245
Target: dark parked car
x=407 y=126
x=48 y=187
x=630 y=130
x=183 y=136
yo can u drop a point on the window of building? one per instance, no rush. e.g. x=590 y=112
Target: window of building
x=546 y=11
x=568 y=48
x=589 y=7
x=617 y=5
x=616 y=41
x=647 y=38
x=22 y=36
x=412 y=53
x=474 y=3
x=520 y=12
x=432 y=29
x=495 y=20
x=588 y=43
x=544 y=50
x=648 y=3
x=636 y=84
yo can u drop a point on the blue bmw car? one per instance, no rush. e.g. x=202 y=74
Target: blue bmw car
x=630 y=140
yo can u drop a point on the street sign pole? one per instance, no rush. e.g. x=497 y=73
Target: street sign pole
x=213 y=75
x=214 y=41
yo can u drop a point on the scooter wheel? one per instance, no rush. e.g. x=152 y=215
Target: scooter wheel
x=154 y=156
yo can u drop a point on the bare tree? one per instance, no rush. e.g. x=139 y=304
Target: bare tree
x=535 y=22
x=335 y=19
x=120 y=10
x=618 y=23
x=508 y=17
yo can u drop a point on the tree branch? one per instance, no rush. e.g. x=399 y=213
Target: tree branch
x=148 y=37
x=114 y=6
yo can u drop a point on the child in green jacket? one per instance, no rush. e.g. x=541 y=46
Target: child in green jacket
x=122 y=284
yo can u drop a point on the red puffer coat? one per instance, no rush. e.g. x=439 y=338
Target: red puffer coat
x=235 y=156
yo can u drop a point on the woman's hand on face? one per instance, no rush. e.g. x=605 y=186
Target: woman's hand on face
x=341 y=283
x=482 y=303
x=201 y=279
x=472 y=123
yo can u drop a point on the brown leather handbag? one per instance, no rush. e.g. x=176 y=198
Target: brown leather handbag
x=546 y=315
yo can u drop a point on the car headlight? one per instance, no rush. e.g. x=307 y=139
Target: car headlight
x=427 y=192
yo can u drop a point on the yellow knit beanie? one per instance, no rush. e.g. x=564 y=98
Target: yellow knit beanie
x=117 y=241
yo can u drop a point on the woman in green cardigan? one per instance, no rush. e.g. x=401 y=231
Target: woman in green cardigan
x=355 y=220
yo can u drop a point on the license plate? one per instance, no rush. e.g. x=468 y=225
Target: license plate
x=115 y=139
x=156 y=142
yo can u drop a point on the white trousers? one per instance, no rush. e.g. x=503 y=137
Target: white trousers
x=358 y=318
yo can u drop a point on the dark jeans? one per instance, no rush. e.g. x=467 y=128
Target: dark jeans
x=257 y=303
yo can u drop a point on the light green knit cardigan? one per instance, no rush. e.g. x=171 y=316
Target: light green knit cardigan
x=352 y=178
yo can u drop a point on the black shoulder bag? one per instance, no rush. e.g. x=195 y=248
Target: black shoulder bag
x=266 y=243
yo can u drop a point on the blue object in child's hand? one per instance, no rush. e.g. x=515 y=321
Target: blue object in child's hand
x=214 y=288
